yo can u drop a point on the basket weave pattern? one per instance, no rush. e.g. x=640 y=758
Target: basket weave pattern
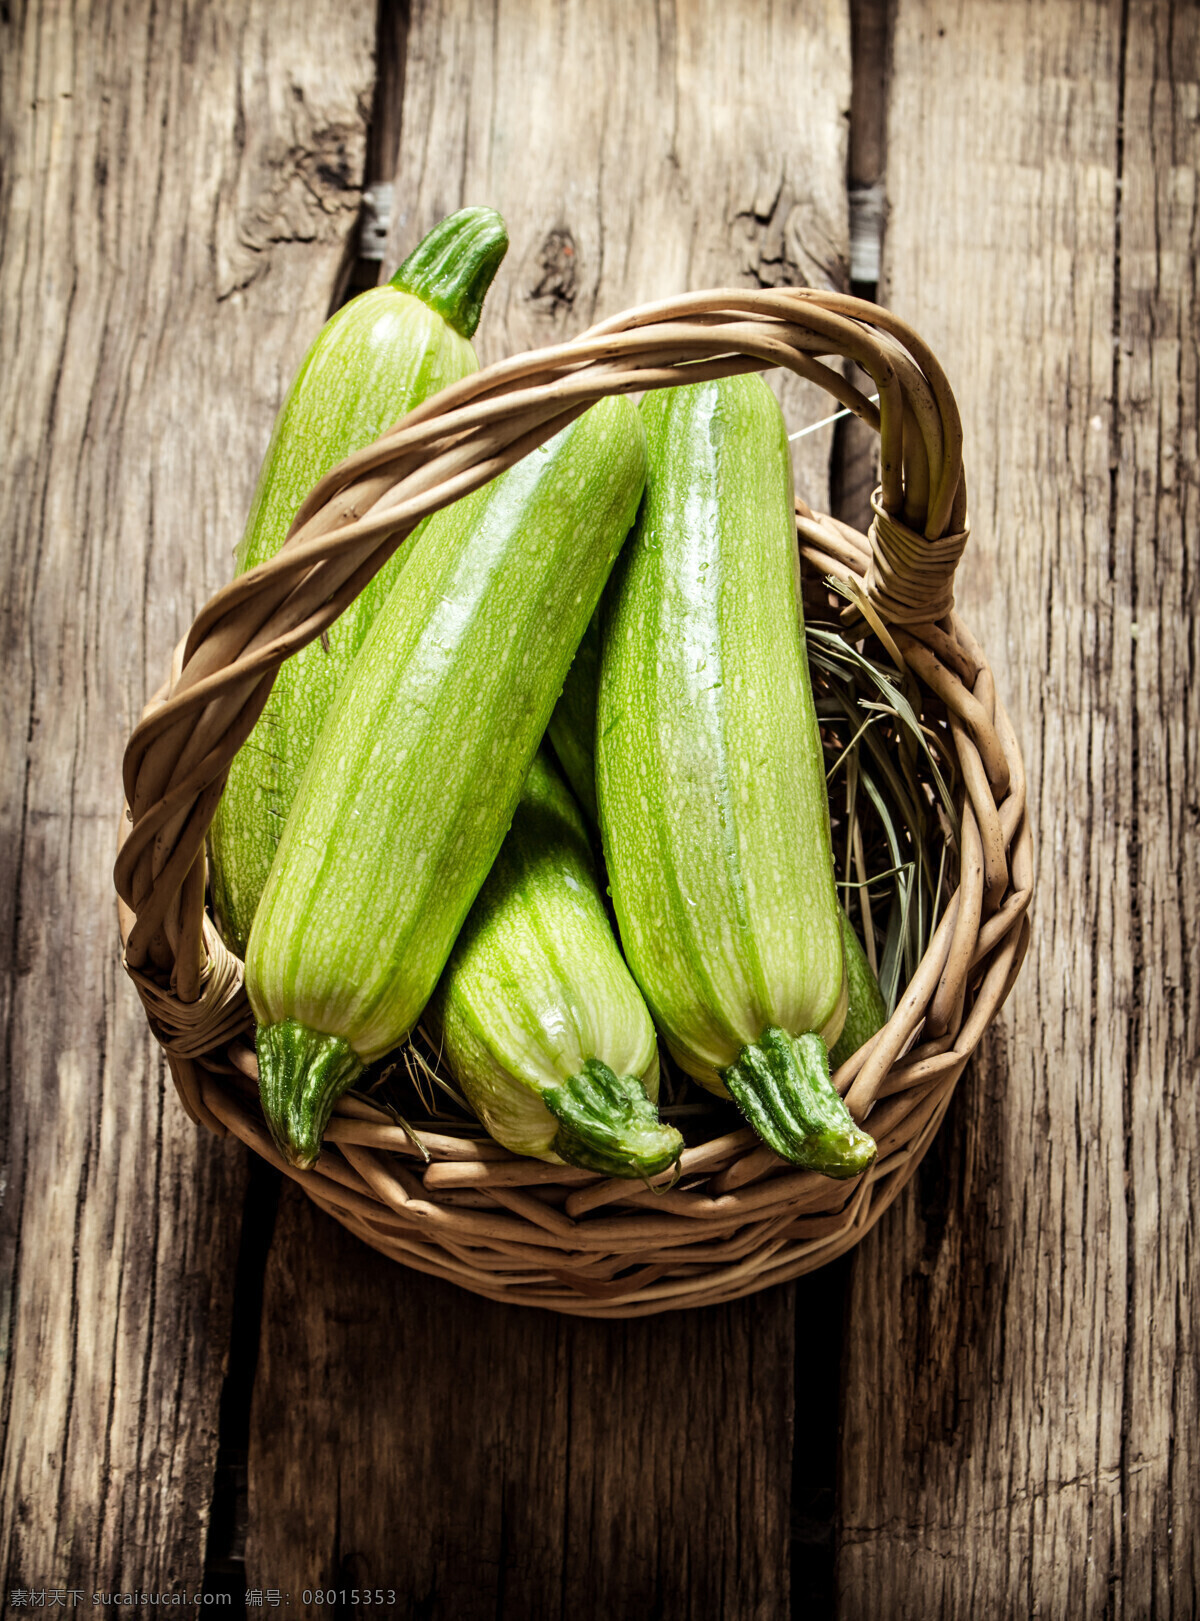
x=736 y=1218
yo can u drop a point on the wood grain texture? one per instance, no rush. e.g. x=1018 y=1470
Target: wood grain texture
x=178 y=187
x=854 y=471
x=1021 y=1426
x=484 y=1461
x=541 y=1467
x=636 y=152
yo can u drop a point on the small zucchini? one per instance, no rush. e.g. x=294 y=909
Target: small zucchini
x=416 y=775
x=572 y=729
x=710 y=778
x=377 y=358
x=866 y=1011
x=537 y=1013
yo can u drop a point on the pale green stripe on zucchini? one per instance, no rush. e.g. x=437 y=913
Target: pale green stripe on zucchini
x=710 y=776
x=415 y=778
x=536 y=1012
x=377 y=358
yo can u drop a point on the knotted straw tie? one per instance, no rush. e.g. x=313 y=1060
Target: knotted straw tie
x=910 y=579
x=219 y=1013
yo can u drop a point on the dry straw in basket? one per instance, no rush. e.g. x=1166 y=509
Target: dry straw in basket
x=734 y=1218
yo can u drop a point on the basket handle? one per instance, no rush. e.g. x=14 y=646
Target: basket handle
x=361 y=511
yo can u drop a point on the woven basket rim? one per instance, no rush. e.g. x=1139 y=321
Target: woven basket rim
x=736 y=1218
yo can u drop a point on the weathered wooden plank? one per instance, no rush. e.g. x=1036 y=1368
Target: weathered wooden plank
x=178 y=187
x=855 y=467
x=1021 y=1394
x=480 y=1460
x=636 y=152
x=483 y=1460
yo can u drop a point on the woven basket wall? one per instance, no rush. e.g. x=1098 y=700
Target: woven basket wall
x=736 y=1218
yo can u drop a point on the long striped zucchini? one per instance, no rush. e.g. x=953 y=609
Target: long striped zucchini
x=536 y=1012
x=710 y=779
x=415 y=778
x=372 y=362
x=572 y=731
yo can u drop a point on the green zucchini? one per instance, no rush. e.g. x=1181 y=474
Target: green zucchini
x=572 y=732
x=377 y=358
x=416 y=775
x=710 y=778
x=572 y=729
x=536 y=1012
x=866 y=1011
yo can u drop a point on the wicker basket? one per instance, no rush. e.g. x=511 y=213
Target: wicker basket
x=737 y=1218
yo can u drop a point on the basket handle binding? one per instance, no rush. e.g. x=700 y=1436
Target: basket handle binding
x=362 y=510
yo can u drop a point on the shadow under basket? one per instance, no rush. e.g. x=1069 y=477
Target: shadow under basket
x=734 y=1218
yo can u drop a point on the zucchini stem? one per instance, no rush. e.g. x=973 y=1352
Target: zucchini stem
x=608 y=1124
x=451 y=269
x=782 y=1086
x=301 y=1075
